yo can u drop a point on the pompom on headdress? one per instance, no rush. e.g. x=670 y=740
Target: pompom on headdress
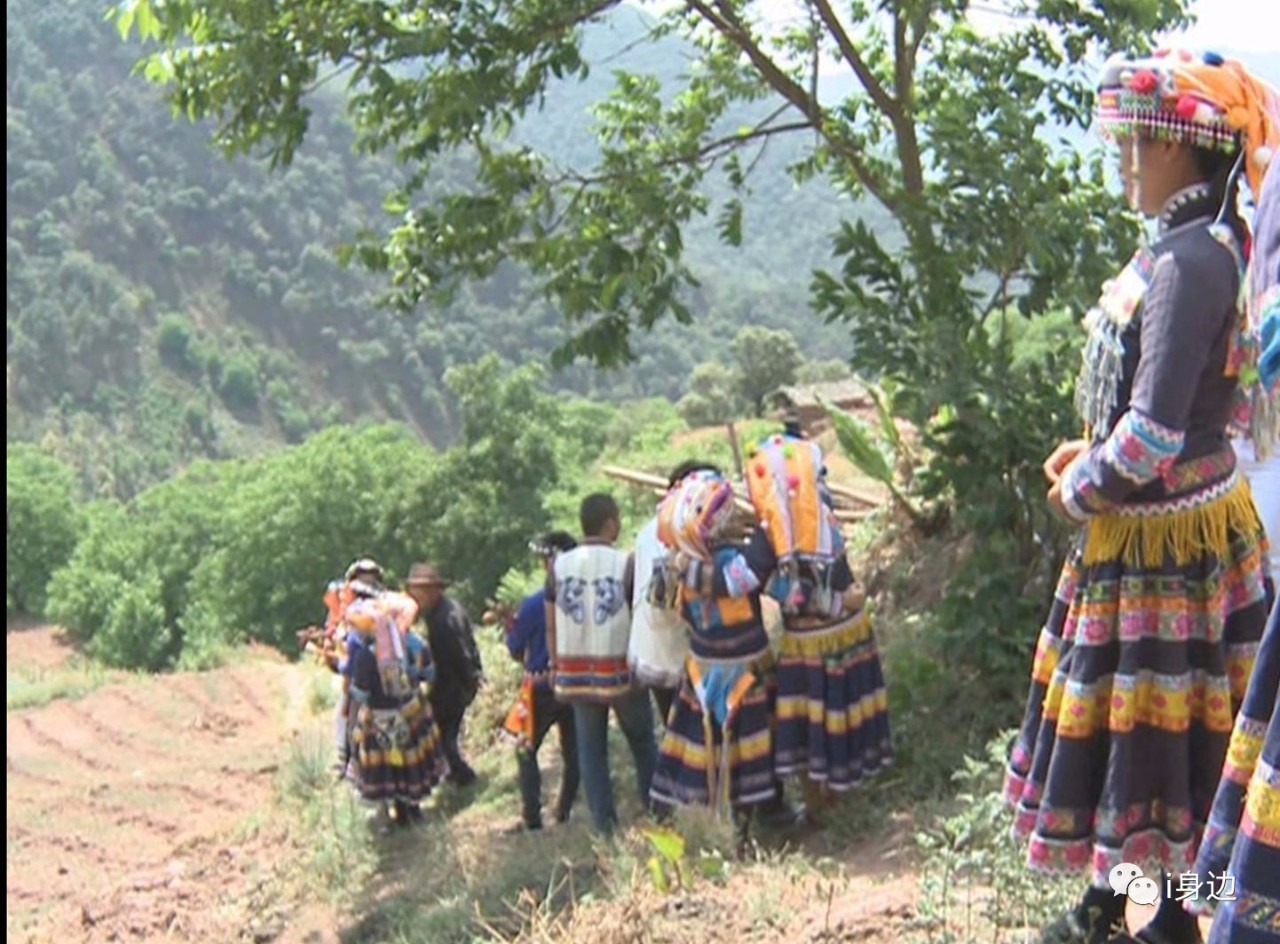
x=1205 y=101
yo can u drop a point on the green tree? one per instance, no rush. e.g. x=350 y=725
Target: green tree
x=174 y=342
x=967 y=212
x=930 y=92
x=478 y=509
x=712 y=396
x=823 y=371
x=765 y=360
x=239 y=386
x=41 y=524
x=296 y=523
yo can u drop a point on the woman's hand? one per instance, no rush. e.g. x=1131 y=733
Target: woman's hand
x=855 y=597
x=1062 y=457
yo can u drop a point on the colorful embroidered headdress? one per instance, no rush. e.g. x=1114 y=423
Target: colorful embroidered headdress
x=1213 y=103
x=1206 y=101
x=696 y=513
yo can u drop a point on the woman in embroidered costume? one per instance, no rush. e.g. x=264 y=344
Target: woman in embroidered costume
x=1239 y=861
x=831 y=712
x=1148 y=647
x=395 y=742
x=717 y=750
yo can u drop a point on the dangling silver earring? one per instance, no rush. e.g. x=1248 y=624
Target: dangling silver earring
x=1135 y=175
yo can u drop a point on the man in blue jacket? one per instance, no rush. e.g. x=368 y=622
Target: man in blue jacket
x=527 y=643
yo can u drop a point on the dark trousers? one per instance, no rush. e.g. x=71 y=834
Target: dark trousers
x=449 y=719
x=547 y=714
x=664 y=698
x=591 y=721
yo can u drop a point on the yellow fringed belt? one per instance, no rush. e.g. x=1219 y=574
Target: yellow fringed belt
x=825 y=640
x=1184 y=530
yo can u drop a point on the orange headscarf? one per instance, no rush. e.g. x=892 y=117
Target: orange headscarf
x=1250 y=106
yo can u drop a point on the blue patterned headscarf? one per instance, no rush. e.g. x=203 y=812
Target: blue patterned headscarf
x=1264 y=279
x=1262 y=301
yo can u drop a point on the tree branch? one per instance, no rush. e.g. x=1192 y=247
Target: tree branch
x=728 y=25
x=883 y=100
x=904 y=126
x=708 y=150
x=998 y=298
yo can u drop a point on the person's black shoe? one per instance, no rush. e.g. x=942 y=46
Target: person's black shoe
x=781 y=815
x=462 y=778
x=562 y=816
x=521 y=828
x=1069 y=929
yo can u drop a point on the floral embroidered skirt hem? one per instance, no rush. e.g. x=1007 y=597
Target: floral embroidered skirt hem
x=397 y=752
x=832 y=705
x=1239 y=860
x=702 y=762
x=1137 y=677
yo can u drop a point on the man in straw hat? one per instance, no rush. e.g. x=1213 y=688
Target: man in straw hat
x=458 y=669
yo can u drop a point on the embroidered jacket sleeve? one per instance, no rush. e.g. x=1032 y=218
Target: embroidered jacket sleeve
x=1174 y=346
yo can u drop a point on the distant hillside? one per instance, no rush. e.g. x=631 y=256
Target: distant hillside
x=164 y=303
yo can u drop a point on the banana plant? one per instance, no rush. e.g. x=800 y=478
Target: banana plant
x=859 y=445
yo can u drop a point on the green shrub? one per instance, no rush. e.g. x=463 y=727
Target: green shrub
x=175 y=343
x=135 y=634
x=975 y=884
x=41 y=524
x=239 y=387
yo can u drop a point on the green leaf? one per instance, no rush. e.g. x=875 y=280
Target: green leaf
x=666 y=842
x=612 y=288
x=729 y=224
x=658 y=875
x=858 y=445
x=124 y=14
x=888 y=428
x=148 y=24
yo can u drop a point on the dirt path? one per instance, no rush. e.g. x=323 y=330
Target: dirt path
x=145 y=811
x=130 y=810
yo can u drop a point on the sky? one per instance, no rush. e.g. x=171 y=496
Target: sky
x=1244 y=25
x=1241 y=28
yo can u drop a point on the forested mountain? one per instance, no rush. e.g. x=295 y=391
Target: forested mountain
x=164 y=303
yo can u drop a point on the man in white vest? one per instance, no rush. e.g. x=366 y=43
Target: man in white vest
x=659 y=635
x=589 y=595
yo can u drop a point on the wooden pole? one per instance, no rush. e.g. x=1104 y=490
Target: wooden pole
x=737 y=450
x=861 y=496
x=658 y=485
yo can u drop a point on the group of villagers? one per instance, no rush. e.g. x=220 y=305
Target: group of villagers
x=1151 y=735
x=681 y=622
x=398 y=722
